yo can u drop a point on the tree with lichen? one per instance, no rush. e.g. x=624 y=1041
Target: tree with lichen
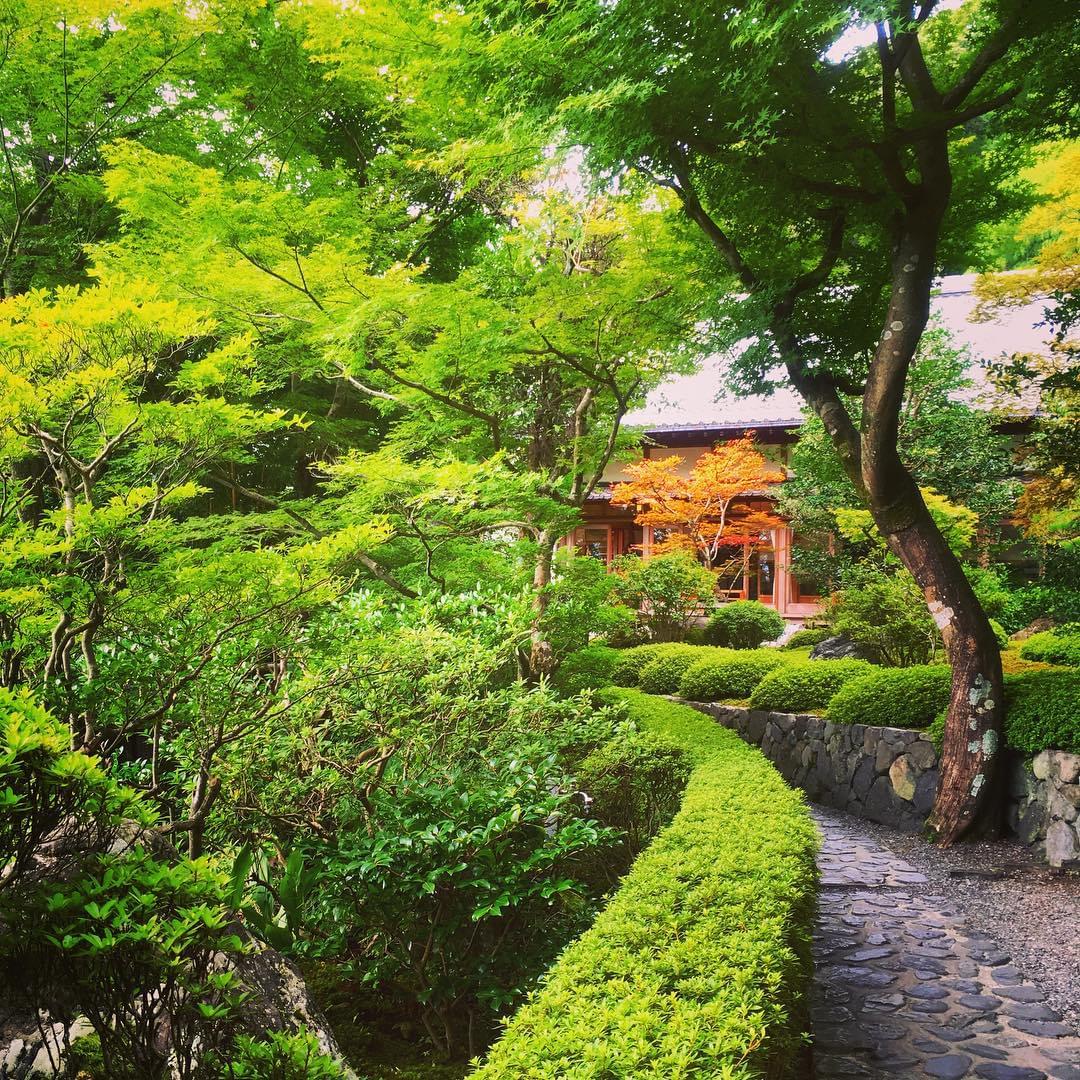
x=828 y=194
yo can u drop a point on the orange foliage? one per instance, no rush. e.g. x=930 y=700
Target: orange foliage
x=707 y=512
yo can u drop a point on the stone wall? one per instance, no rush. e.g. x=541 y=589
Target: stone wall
x=891 y=775
x=1044 y=804
x=881 y=773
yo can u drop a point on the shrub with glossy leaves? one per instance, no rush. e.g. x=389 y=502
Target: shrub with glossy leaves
x=806 y=687
x=893 y=697
x=743 y=624
x=700 y=964
x=1054 y=647
x=635 y=782
x=718 y=680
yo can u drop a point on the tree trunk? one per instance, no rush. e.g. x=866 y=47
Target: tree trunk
x=541 y=660
x=976 y=707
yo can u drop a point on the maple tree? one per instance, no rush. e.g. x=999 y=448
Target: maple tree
x=706 y=511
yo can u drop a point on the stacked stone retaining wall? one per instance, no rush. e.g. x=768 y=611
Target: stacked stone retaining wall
x=891 y=775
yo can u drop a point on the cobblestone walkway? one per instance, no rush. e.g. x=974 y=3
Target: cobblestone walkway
x=904 y=987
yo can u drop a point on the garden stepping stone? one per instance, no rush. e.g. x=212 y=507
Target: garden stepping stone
x=948 y=1003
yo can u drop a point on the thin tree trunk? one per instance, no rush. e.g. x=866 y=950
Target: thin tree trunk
x=540 y=656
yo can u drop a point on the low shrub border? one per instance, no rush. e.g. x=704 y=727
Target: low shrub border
x=700 y=964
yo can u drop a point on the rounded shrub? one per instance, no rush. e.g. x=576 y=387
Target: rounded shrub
x=806 y=637
x=1053 y=647
x=631 y=662
x=1042 y=711
x=716 y=680
x=743 y=624
x=663 y=675
x=999 y=633
x=587 y=669
x=806 y=687
x=893 y=697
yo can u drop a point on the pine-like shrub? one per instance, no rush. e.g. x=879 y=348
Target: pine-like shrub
x=893 y=697
x=743 y=624
x=806 y=687
x=717 y=680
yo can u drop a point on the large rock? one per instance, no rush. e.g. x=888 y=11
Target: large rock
x=904 y=775
x=1062 y=844
x=841 y=648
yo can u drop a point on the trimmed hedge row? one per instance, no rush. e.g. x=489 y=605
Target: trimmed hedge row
x=700 y=964
x=1053 y=647
x=893 y=697
x=806 y=687
x=730 y=677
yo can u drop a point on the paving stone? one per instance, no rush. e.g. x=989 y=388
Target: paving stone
x=948 y=1067
x=984 y=1050
x=1020 y=993
x=982 y=1002
x=996 y=1070
x=1065 y=1072
x=1031 y=1012
x=927 y=993
x=1046 y=1029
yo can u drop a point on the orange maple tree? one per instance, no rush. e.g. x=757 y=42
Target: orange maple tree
x=708 y=512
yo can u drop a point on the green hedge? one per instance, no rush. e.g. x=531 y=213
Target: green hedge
x=717 y=680
x=893 y=697
x=806 y=637
x=1053 y=648
x=587 y=669
x=1043 y=711
x=743 y=624
x=700 y=964
x=664 y=674
x=632 y=662
x=806 y=687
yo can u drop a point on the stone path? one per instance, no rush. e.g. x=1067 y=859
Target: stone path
x=905 y=987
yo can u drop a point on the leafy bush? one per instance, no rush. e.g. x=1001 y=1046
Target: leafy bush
x=1058 y=603
x=280 y=1056
x=806 y=687
x=635 y=782
x=743 y=624
x=663 y=674
x=587 y=669
x=668 y=590
x=887 y=615
x=990 y=587
x=457 y=886
x=999 y=633
x=893 y=697
x=807 y=636
x=1053 y=647
x=580 y=605
x=1043 y=711
x=716 y=680
x=700 y=964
